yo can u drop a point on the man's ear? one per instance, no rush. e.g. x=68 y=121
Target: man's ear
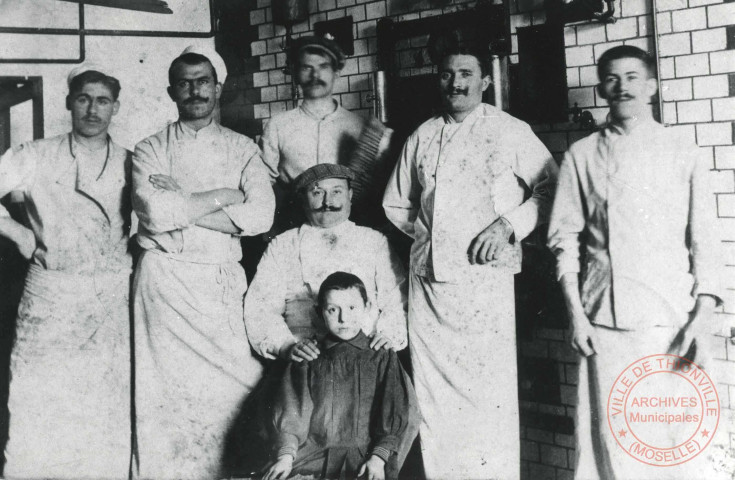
x=170 y=91
x=600 y=91
x=68 y=102
x=218 y=90
x=115 y=107
x=486 y=82
x=350 y=191
x=651 y=86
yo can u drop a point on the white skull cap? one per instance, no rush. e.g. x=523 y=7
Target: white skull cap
x=85 y=67
x=214 y=59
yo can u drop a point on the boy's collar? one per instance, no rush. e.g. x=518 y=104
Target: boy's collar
x=360 y=341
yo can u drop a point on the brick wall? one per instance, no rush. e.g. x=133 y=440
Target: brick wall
x=261 y=89
x=697 y=48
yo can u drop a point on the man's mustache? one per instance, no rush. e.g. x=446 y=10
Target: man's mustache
x=457 y=91
x=91 y=118
x=328 y=208
x=623 y=96
x=315 y=82
x=195 y=99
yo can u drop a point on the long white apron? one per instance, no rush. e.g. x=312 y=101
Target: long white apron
x=463 y=353
x=70 y=389
x=599 y=457
x=193 y=366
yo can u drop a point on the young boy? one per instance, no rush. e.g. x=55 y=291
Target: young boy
x=344 y=414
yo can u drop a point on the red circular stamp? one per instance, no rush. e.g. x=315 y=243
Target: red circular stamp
x=663 y=410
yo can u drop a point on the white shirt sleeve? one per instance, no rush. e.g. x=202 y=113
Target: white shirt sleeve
x=402 y=198
x=17 y=172
x=392 y=293
x=536 y=167
x=265 y=305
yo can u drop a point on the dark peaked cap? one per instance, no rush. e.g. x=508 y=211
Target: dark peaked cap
x=320 y=172
x=324 y=44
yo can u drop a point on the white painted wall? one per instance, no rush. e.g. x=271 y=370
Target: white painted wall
x=21 y=122
x=140 y=63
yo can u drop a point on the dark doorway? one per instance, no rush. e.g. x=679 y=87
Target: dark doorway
x=14 y=93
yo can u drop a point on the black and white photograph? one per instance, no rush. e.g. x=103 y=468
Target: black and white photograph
x=367 y=239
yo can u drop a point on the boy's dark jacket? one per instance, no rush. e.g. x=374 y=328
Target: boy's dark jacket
x=348 y=404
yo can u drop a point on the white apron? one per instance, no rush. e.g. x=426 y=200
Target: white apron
x=599 y=456
x=193 y=365
x=69 y=396
x=463 y=353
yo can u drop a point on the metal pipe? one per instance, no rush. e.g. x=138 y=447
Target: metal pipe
x=82 y=32
x=654 y=13
x=82 y=44
x=109 y=33
x=380 y=95
x=497 y=82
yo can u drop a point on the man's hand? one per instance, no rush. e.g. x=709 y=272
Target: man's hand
x=490 y=242
x=583 y=335
x=281 y=469
x=696 y=327
x=164 y=182
x=27 y=246
x=379 y=341
x=302 y=350
x=374 y=467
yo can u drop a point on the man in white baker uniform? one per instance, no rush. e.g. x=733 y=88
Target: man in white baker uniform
x=197 y=187
x=469 y=186
x=634 y=231
x=280 y=307
x=69 y=397
x=280 y=314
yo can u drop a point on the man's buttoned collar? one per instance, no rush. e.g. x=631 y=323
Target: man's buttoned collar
x=75 y=145
x=339 y=228
x=187 y=132
x=471 y=117
x=641 y=127
x=330 y=116
x=85 y=173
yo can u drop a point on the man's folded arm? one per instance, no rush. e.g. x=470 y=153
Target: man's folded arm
x=255 y=214
x=538 y=170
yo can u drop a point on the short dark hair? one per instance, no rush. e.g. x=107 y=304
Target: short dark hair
x=625 y=51
x=482 y=56
x=93 y=76
x=190 y=59
x=341 y=281
x=459 y=42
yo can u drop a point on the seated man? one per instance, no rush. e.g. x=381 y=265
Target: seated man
x=359 y=431
x=280 y=317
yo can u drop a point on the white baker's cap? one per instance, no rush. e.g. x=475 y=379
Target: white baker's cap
x=214 y=59
x=85 y=67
